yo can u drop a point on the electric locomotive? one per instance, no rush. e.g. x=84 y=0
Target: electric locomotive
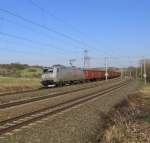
x=59 y=75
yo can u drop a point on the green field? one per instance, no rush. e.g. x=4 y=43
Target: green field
x=20 y=71
x=31 y=73
x=18 y=77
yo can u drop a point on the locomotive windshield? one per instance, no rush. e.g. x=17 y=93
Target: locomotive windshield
x=48 y=70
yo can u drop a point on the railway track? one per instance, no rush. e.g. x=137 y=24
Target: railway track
x=38 y=89
x=33 y=99
x=19 y=92
x=24 y=120
x=27 y=91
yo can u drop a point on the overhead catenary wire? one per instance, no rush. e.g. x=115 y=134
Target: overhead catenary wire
x=28 y=28
x=80 y=42
x=32 y=2
x=62 y=21
x=27 y=53
x=43 y=26
x=31 y=41
x=35 y=4
x=16 y=23
x=19 y=50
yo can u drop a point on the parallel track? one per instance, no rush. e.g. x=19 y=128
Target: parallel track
x=34 y=90
x=20 y=92
x=24 y=120
x=33 y=99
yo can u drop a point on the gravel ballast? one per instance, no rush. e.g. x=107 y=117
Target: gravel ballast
x=80 y=124
x=34 y=106
x=18 y=96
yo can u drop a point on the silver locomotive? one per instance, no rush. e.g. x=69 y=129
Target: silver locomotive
x=59 y=75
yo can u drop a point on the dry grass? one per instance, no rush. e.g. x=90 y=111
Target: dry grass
x=18 y=84
x=129 y=122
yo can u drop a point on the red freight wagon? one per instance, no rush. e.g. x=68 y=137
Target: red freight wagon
x=113 y=74
x=94 y=74
x=118 y=74
x=110 y=74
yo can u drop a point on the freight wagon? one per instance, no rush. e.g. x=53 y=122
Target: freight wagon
x=95 y=74
x=92 y=75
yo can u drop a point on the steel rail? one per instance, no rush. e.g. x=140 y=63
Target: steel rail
x=39 y=98
x=23 y=120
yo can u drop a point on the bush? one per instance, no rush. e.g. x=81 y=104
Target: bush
x=32 y=70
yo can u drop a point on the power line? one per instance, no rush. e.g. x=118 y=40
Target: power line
x=53 y=16
x=16 y=23
x=24 y=26
x=42 y=26
x=29 y=40
x=20 y=51
x=49 y=29
x=60 y=20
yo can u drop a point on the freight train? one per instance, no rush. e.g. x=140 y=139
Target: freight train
x=59 y=75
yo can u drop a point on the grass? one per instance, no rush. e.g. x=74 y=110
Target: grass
x=31 y=72
x=20 y=70
x=129 y=122
x=18 y=84
x=18 y=77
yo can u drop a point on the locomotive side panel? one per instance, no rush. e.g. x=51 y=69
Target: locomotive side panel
x=60 y=74
x=70 y=74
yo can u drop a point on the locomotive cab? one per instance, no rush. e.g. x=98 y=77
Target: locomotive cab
x=49 y=76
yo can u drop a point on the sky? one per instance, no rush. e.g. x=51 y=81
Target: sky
x=46 y=32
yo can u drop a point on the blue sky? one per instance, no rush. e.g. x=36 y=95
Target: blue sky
x=119 y=29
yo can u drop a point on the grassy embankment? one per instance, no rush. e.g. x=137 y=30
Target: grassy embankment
x=129 y=122
x=18 y=84
x=17 y=77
